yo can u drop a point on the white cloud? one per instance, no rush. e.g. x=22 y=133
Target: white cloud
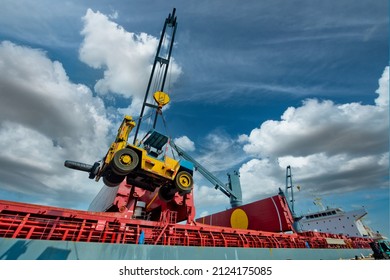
x=125 y=57
x=114 y=15
x=331 y=147
x=185 y=143
x=259 y=177
x=220 y=152
x=383 y=90
x=207 y=199
x=321 y=127
x=45 y=120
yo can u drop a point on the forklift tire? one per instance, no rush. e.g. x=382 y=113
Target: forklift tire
x=166 y=194
x=124 y=161
x=113 y=180
x=184 y=182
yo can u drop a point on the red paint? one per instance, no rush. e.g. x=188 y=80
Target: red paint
x=271 y=214
x=29 y=221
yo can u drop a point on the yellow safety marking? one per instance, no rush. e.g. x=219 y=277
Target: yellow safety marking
x=126 y=159
x=150 y=203
x=239 y=219
x=161 y=98
x=185 y=181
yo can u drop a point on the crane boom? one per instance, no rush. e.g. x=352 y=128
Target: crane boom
x=231 y=189
x=161 y=62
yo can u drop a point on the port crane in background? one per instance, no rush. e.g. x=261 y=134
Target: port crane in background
x=289 y=195
x=289 y=191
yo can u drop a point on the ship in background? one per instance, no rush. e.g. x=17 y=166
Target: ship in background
x=338 y=221
x=146 y=208
x=329 y=219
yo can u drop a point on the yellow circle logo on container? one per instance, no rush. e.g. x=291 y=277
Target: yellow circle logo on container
x=239 y=219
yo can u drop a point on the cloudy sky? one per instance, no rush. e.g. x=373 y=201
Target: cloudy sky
x=255 y=87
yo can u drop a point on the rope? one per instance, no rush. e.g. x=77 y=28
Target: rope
x=169 y=76
x=170 y=72
x=144 y=117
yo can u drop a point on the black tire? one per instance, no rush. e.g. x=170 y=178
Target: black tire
x=184 y=182
x=113 y=180
x=166 y=194
x=124 y=161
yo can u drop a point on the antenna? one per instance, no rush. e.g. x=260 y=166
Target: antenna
x=318 y=201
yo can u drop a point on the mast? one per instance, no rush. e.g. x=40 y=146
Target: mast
x=289 y=189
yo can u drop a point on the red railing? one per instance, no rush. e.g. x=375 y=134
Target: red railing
x=18 y=220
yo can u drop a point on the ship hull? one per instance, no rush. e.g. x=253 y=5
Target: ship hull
x=25 y=249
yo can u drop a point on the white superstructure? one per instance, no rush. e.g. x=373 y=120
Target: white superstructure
x=335 y=220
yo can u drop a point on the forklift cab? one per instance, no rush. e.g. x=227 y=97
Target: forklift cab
x=154 y=143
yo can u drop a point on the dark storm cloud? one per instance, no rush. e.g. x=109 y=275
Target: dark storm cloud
x=367 y=176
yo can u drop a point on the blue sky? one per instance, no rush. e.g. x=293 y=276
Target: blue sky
x=255 y=86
